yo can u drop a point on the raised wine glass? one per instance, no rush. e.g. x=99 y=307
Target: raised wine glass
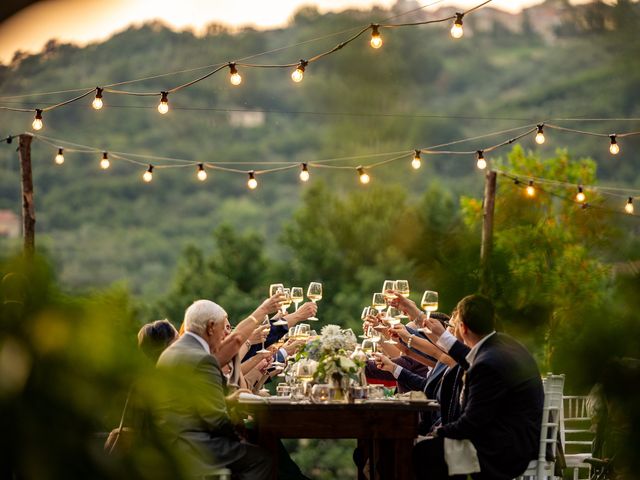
x=402 y=287
x=388 y=285
x=275 y=288
x=392 y=319
x=265 y=322
x=429 y=302
x=314 y=293
x=297 y=295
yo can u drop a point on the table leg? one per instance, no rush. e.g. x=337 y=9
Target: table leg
x=403 y=461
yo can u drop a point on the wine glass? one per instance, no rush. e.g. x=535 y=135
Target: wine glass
x=388 y=285
x=275 y=288
x=378 y=302
x=402 y=287
x=429 y=302
x=369 y=346
x=314 y=293
x=265 y=322
x=392 y=319
x=363 y=316
x=297 y=295
x=303 y=331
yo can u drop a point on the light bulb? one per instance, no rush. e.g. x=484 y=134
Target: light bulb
x=298 y=74
x=105 y=163
x=629 y=206
x=252 y=183
x=580 y=196
x=202 y=174
x=234 y=76
x=304 y=173
x=148 y=175
x=163 y=106
x=37 y=122
x=97 y=102
x=540 y=135
x=59 y=157
x=531 y=190
x=416 y=163
x=614 y=148
x=456 y=29
x=481 y=163
x=376 y=39
x=364 y=176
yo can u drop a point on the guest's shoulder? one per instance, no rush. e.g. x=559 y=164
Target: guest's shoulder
x=185 y=350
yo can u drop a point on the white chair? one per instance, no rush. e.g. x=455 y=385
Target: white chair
x=542 y=469
x=574 y=430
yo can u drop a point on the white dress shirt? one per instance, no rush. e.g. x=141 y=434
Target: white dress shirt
x=447 y=340
x=201 y=341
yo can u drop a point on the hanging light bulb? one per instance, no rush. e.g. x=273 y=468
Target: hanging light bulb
x=481 y=163
x=202 y=173
x=59 y=157
x=304 y=173
x=105 y=163
x=540 y=135
x=163 y=106
x=252 y=183
x=629 y=206
x=456 y=29
x=234 y=76
x=364 y=176
x=614 y=148
x=298 y=74
x=531 y=190
x=97 y=102
x=148 y=175
x=376 y=39
x=416 y=163
x=580 y=196
x=37 y=122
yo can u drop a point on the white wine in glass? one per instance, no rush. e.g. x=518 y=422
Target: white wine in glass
x=388 y=285
x=297 y=295
x=402 y=287
x=264 y=323
x=275 y=288
x=283 y=306
x=314 y=293
x=429 y=302
x=378 y=302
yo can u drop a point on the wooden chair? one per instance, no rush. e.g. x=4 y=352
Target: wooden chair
x=542 y=469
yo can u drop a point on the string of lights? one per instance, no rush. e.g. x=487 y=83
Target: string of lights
x=235 y=76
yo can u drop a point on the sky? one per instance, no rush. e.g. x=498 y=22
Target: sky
x=84 y=21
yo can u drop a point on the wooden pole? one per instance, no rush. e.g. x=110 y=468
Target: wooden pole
x=487 y=231
x=28 y=205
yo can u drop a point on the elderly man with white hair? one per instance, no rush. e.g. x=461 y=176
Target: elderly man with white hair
x=194 y=413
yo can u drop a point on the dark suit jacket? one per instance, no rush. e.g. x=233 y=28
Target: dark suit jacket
x=193 y=412
x=501 y=409
x=276 y=332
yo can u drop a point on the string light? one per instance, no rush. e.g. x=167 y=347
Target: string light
x=60 y=157
x=629 y=206
x=298 y=73
x=580 y=196
x=105 y=163
x=531 y=190
x=540 y=135
x=202 y=174
x=364 y=176
x=304 y=173
x=234 y=76
x=614 y=148
x=37 y=121
x=456 y=29
x=416 y=162
x=97 y=102
x=148 y=175
x=252 y=183
x=163 y=106
x=481 y=163
x=376 y=39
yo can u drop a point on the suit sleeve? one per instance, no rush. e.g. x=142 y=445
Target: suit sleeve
x=276 y=332
x=412 y=380
x=459 y=352
x=211 y=404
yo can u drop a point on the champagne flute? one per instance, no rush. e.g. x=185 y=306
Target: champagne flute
x=429 y=302
x=388 y=285
x=314 y=293
x=402 y=287
x=297 y=295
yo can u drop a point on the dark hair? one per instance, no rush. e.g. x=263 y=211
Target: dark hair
x=154 y=337
x=441 y=317
x=477 y=313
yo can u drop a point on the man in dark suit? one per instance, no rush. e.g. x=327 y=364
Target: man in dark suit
x=194 y=410
x=501 y=402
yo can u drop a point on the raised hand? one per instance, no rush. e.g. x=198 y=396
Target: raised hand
x=270 y=305
x=306 y=310
x=400 y=331
x=383 y=362
x=260 y=334
x=404 y=304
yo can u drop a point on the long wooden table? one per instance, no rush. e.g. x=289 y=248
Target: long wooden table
x=385 y=431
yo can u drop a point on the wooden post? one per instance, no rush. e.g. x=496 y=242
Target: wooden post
x=487 y=231
x=28 y=206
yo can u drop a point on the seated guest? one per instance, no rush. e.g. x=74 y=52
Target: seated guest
x=502 y=399
x=154 y=337
x=196 y=419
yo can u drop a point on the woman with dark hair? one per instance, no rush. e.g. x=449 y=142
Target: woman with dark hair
x=154 y=337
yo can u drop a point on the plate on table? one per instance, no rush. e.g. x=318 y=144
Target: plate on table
x=284 y=399
x=251 y=398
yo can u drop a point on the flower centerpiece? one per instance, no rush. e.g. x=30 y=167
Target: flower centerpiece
x=333 y=350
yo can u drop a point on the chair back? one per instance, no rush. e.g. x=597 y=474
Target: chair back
x=551 y=413
x=575 y=429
